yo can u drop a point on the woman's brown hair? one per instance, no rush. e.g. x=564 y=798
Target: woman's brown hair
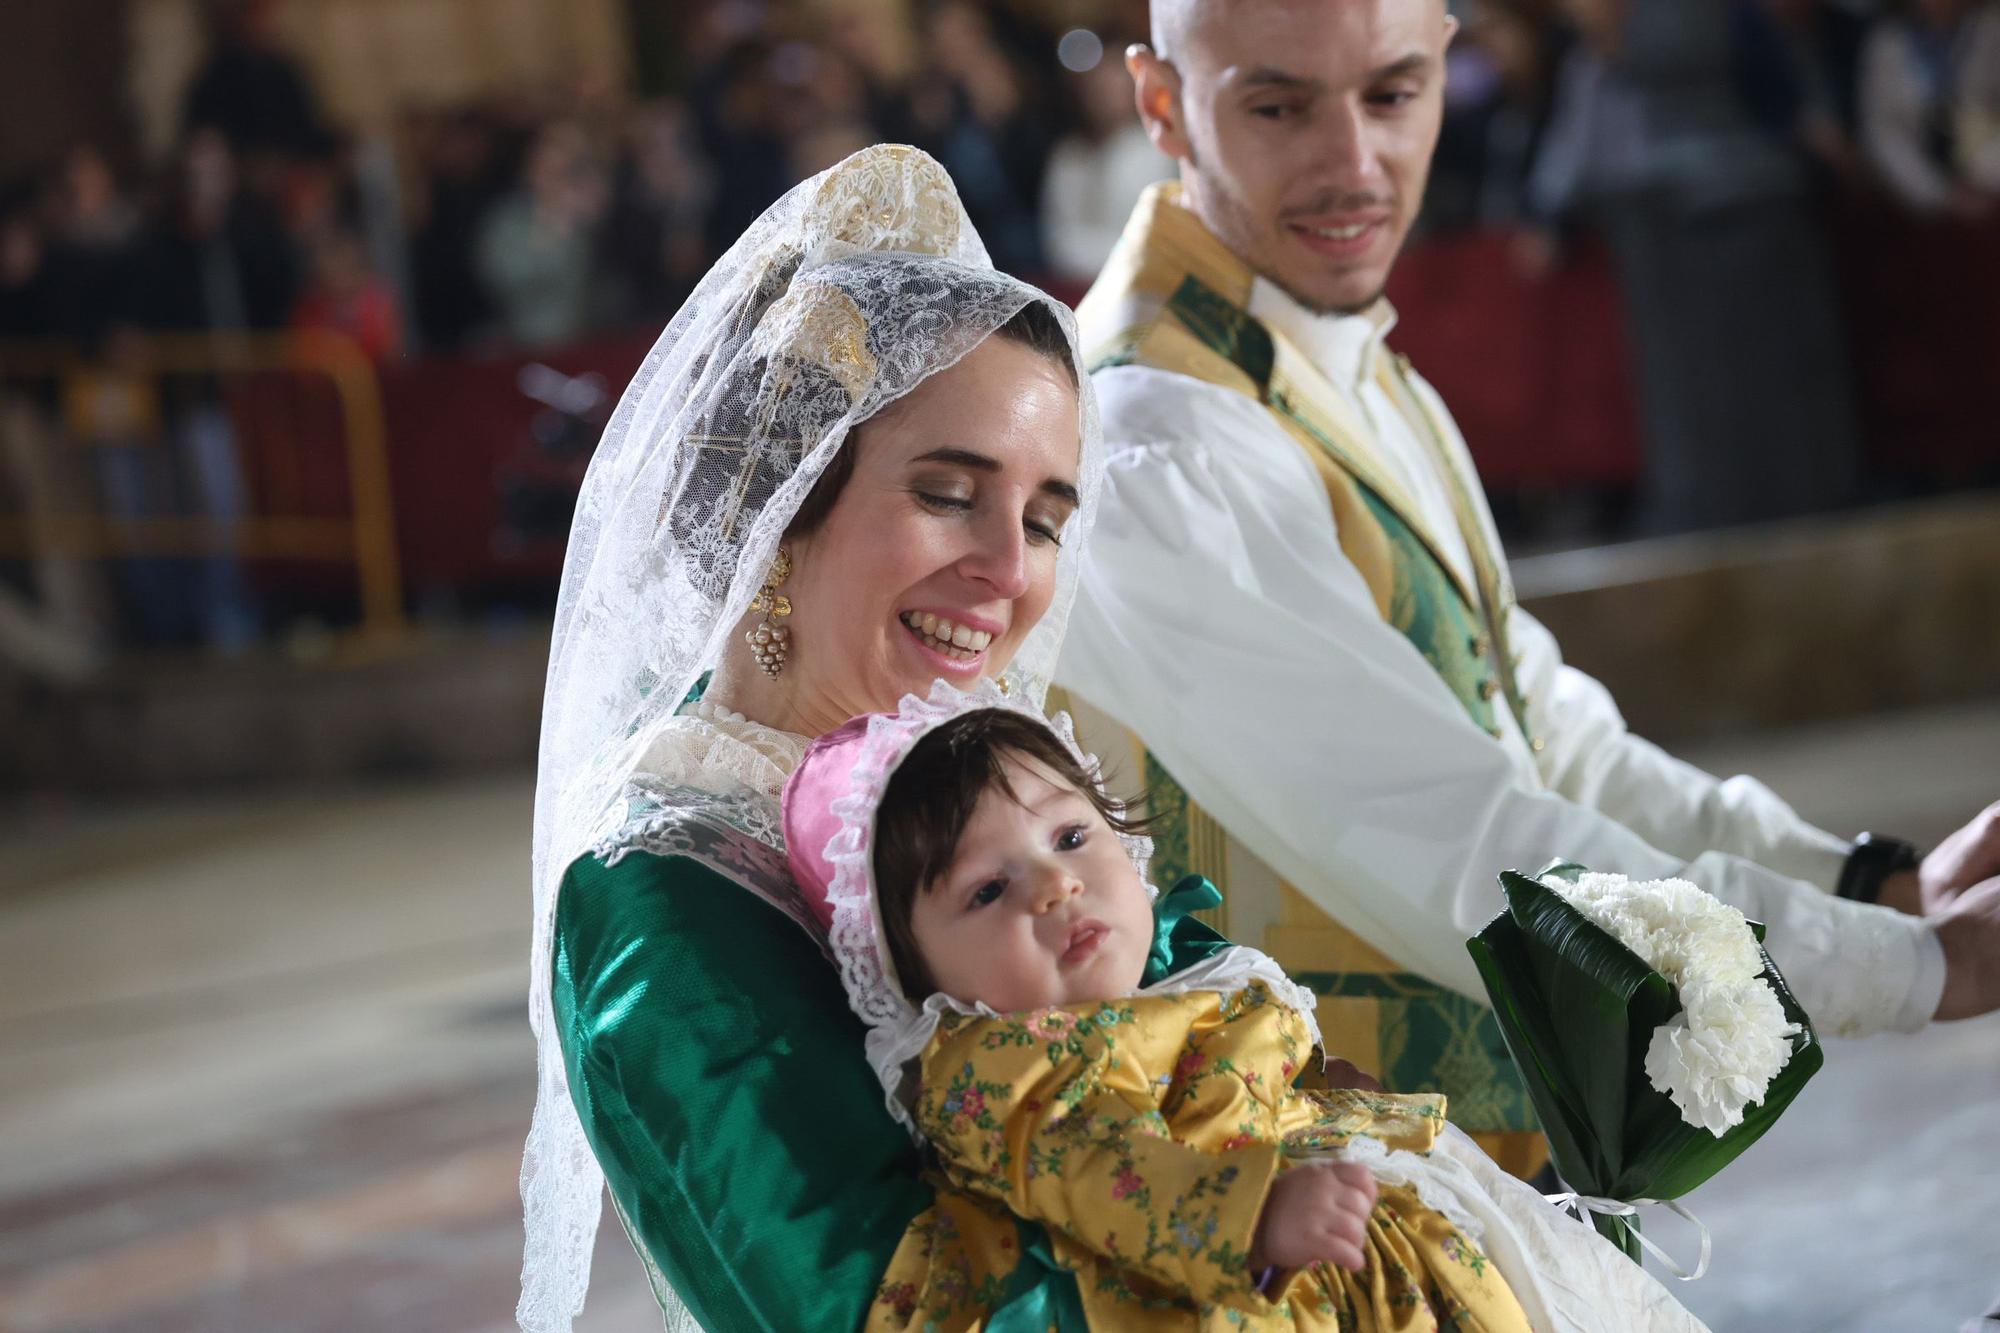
x=1034 y=326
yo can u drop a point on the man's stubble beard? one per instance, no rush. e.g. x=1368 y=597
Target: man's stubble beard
x=1224 y=226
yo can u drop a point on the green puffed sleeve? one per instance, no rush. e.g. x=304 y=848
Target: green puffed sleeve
x=723 y=1083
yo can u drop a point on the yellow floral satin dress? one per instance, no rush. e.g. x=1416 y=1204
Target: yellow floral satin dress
x=1144 y=1134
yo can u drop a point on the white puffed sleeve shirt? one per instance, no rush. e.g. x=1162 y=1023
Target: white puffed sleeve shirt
x=1220 y=621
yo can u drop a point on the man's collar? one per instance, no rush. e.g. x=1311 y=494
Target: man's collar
x=1346 y=348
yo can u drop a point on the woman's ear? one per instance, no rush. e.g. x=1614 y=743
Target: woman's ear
x=1156 y=90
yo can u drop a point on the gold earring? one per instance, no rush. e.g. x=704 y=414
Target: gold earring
x=770 y=642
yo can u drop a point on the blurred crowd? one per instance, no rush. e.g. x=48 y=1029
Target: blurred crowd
x=1703 y=140
x=1554 y=105
x=535 y=219
x=1712 y=146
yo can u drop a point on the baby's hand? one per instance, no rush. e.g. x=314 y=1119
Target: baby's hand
x=1316 y=1213
x=1346 y=1074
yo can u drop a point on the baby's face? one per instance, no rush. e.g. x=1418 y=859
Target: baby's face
x=1040 y=907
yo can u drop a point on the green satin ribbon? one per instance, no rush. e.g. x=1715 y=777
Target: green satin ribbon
x=1179 y=940
x=1041 y=1295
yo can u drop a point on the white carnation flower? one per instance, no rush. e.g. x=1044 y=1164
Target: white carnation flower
x=1720 y=1053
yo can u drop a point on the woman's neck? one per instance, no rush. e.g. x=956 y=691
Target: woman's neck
x=771 y=702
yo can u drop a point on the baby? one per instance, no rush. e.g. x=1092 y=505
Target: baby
x=987 y=904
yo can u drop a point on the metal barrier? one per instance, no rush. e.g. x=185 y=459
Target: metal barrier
x=120 y=395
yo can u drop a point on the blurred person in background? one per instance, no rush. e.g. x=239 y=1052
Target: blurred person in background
x=653 y=229
x=739 y=107
x=57 y=620
x=1500 y=75
x=1746 y=409
x=1799 y=69
x=218 y=262
x=347 y=297
x=827 y=107
x=218 y=258
x=536 y=247
x=971 y=106
x=111 y=406
x=459 y=181
x=1930 y=106
x=1291 y=518
x=27 y=300
x=94 y=253
x=256 y=95
x=1096 y=173
x=251 y=90
x=871 y=38
x=319 y=196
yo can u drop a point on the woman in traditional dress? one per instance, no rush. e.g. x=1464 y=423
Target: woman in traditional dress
x=859 y=459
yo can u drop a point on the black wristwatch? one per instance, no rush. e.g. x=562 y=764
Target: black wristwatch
x=1870 y=864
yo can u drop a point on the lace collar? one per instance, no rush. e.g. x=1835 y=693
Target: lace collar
x=711 y=747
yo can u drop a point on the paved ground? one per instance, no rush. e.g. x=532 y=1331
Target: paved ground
x=263 y=1068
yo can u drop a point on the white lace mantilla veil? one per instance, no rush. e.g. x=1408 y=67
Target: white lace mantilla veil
x=851 y=290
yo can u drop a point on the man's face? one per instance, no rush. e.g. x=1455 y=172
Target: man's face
x=1305 y=129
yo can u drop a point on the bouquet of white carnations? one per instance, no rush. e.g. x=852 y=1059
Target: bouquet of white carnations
x=1655 y=1036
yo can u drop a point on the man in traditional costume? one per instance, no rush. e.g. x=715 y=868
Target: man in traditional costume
x=1297 y=625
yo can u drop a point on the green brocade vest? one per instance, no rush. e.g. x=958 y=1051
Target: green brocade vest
x=724 y=1086
x=1173 y=298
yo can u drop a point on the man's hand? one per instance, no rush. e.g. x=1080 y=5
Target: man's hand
x=1316 y=1213
x=1969 y=929
x=1966 y=858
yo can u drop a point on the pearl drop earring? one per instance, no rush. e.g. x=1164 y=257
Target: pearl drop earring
x=771 y=642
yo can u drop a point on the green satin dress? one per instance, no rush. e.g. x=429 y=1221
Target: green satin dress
x=722 y=1080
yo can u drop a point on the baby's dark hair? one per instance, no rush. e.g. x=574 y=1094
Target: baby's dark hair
x=930 y=800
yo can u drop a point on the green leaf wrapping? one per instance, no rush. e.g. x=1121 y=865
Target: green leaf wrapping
x=1578 y=1010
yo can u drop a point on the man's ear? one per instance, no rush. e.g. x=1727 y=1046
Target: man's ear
x=1156 y=89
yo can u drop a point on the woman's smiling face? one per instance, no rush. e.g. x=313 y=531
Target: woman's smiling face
x=939 y=554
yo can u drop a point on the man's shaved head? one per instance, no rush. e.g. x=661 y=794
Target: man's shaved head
x=1176 y=24
x=1304 y=129
x=1173 y=21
